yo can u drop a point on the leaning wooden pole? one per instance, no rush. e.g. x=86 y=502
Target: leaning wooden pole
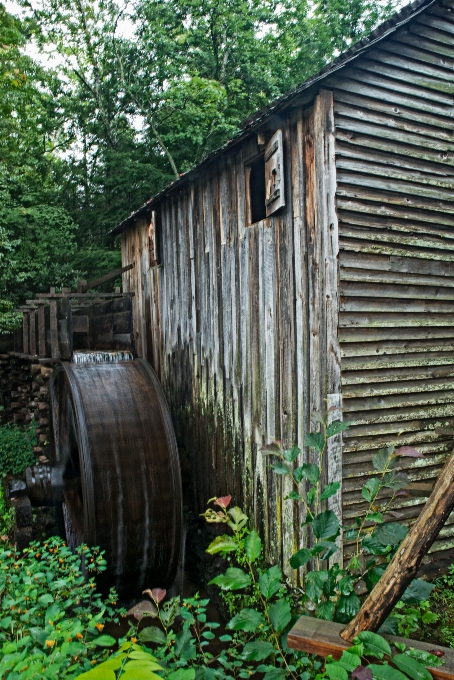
x=405 y=563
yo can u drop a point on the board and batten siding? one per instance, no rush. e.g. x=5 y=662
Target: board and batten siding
x=394 y=116
x=237 y=322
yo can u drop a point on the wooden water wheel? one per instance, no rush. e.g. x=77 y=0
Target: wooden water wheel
x=117 y=470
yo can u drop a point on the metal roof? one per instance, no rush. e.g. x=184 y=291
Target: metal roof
x=383 y=31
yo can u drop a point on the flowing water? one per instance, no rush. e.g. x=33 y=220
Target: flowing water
x=101 y=356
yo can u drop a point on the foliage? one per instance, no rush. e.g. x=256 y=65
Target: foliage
x=9 y=319
x=329 y=591
x=52 y=616
x=16 y=448
x=7 y=517
x=411 y=663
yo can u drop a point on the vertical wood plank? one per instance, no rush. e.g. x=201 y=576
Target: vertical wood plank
x=32 y=322
x=53 y=322
x=41 y=331
x=25 y=332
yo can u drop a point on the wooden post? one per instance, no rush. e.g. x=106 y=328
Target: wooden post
x=25 y=344
x=55 y=350
x=41 y=331
x=405 y=563
x=32 y=323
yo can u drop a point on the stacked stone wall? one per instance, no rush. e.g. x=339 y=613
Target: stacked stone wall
x=24 y=396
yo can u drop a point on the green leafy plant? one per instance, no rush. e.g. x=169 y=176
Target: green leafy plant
x=406 y=663
x=329 y=590
x=52 y=616
x=16 y=448
x=7 y=517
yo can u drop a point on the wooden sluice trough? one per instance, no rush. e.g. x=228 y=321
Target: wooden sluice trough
x=55 y=324
x=316 y=636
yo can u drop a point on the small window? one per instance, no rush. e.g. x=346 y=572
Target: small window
x=256 y=190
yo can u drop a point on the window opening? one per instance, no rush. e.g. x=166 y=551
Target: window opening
x=257 y=208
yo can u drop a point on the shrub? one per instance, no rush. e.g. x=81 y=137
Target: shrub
x=16 y=449
x=52 y=617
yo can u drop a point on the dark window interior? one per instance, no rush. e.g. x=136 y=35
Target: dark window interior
x=257 y=190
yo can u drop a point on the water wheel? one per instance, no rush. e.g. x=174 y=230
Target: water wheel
x=118 y=471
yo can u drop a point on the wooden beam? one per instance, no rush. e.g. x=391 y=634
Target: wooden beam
x=84 y=285
x=32 y=331
x=315 y=636
x=403 y=567
x=76 y=296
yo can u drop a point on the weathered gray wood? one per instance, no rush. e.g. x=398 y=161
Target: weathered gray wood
x=32 y=323
x=41 y=331
x=25 y=332
x=388 y=130
x=55 y=349
x=84 y=285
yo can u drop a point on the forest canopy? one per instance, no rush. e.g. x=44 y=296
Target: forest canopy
x=120 y=98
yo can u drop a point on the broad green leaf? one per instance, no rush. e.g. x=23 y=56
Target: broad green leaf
x=258 y=650
x=346 y=585
x=337 y=426
x=293 y=496
x=325 y=525
x=222 y=544
x=105 y=641
x=370 y=489
x=372 y=576
x=280 y=468
x=391 y=533
x=98 y=673
x=325 y=549
x=143 y=664
x=381 y=460
x=313 y=583
x=374 y=645
x=417 y=591
x=372 y=546
x=414 y=669
x=139 y=674
x=292 y=454
x=182 y=674
x=307 y=471
x=375 y=517
x=253 y=546
x=395 y=480
x=329 y=490
x=300 y=558
x=184 y=644
x=280 y=615
x=248 y=620
x=326 y=611
x=270 y=581
x=233 y=579
x=350 y=661
x=238 y=517
x=276 y=674
x=45 y=599
x=385 y=672
x=347 y=607
x=336 y=672
x=315 y=440
x=152 y=634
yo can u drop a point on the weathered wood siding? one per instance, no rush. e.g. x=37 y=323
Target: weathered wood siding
x=235 y=325
x=394 y=115
x=345 y=294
